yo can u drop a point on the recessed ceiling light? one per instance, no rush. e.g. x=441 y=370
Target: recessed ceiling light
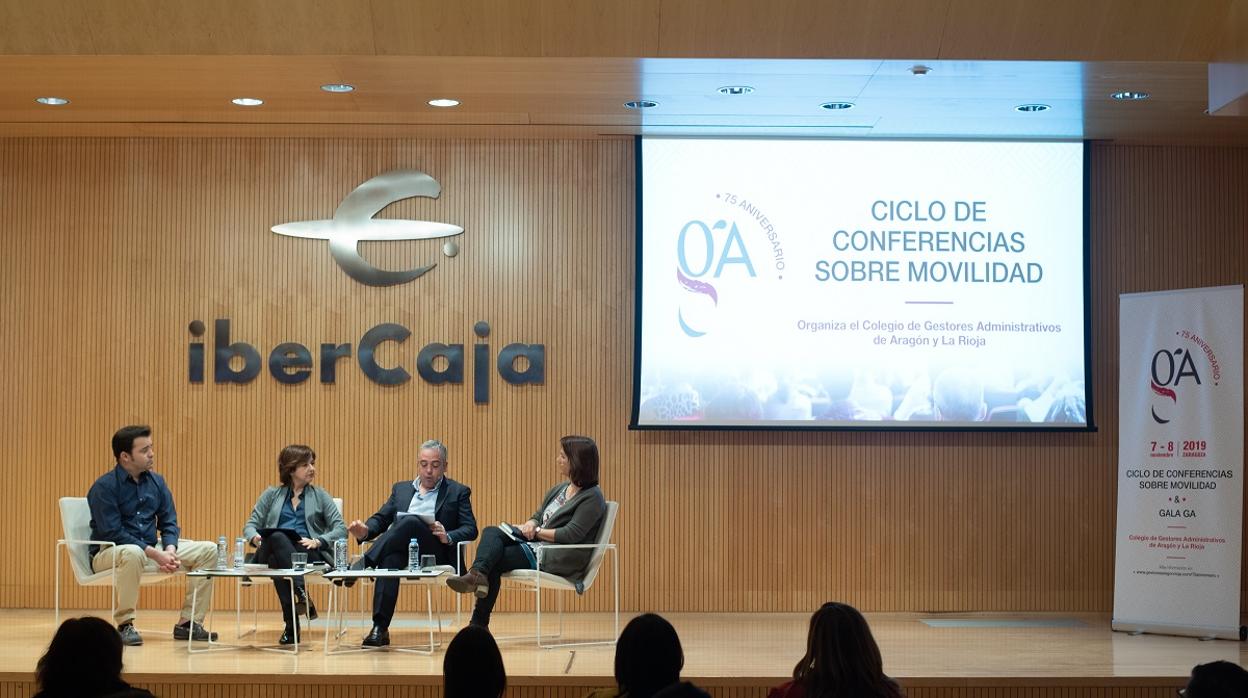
x=641 y=104
x=52 y=101
x=338 y=87
x=444 y=102
x=919 y=70
x=837 y=106
x=1129 y=96
x=1032 y=107
x=247 y=101
x=735 y=90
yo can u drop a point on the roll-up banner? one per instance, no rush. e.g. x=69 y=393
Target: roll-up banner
x=1180 y=462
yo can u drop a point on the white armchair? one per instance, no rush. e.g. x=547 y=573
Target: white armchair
x=535 y=580
x=76 y=525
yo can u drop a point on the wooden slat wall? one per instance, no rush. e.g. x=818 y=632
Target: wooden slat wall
x=115 y=245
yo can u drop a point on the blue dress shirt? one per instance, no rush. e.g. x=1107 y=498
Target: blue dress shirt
x=293 y=519
x=127 y=512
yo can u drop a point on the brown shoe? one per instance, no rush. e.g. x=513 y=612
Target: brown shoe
x=471 y=583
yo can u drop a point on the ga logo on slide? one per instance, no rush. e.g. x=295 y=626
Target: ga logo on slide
x=1169 y=368
x=704 y=251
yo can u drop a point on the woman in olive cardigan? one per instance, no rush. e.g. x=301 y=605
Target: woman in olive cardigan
x=295 y=505
x=571 y=513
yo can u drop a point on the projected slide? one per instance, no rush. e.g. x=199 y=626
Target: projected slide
x=817 y=283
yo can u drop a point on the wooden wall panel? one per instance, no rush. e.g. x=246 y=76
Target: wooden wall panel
x=115 y=245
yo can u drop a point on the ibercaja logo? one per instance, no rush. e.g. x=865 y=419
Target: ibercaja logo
x=1175 y=372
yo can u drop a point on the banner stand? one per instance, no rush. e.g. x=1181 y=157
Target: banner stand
x=1180 y=463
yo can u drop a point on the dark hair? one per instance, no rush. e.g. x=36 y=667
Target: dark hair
x=648 y=656
x=582 y=455
x=473 y=666
x=123 y=440
x=842 y=658
x=1220 y=679
x=292 y=457
x=83 y=659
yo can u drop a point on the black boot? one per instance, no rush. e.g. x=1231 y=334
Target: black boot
x=303 y=603
x=289 y=635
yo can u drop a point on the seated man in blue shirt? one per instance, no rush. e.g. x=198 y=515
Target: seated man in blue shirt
x=128 y=505
x=434 y=509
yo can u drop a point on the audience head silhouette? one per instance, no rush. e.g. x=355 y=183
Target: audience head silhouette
x=83 y=660
x=1219 y=679
x=842 y=658
x=648 y=656
x=682 y=689
x=473 y=666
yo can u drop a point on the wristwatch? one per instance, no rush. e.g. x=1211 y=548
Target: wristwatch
x=536 y=531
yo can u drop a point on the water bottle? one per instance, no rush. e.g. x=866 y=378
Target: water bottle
x=240 y=544
x=223 y=552
x=413 y=555
x=340 y=554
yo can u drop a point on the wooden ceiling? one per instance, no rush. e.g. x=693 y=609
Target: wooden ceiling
x=1078 y=30
x=558 y=68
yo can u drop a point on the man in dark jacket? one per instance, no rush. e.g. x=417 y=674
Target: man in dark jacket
x=433 y=509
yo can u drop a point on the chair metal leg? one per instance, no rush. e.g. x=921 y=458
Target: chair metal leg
x=58 y=585
x=615 y=583
x=112 y=597
x=615 y=580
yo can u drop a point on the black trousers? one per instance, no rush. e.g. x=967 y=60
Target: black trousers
x=275 y=550
x=497 y=554
x=390 y=553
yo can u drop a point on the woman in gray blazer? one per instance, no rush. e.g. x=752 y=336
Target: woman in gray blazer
x=297 y=517
x=570 y=513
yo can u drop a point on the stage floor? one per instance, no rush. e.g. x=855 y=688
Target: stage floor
x=965 y=650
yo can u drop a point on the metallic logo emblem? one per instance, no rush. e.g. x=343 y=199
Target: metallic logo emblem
x=353 y=222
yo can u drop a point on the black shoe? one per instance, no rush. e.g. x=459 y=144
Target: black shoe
x=129 y=636
x=355 y=567
x=193 y=631
x=304 y=605
x=289 y=634
x=377 y=637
